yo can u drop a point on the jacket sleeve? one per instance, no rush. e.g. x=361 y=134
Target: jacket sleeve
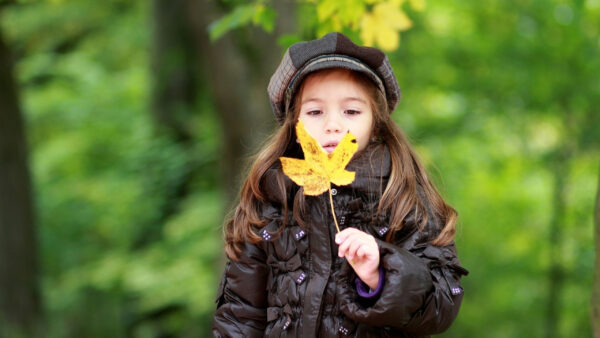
x=421 y=293
x=241 y=300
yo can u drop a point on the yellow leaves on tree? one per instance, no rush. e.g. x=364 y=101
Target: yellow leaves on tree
x=378 y=22
x=319 y=169
x=417 y=5
x=335 y=15
x=383 y=24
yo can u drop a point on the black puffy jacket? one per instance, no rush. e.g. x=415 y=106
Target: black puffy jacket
x=293 y=283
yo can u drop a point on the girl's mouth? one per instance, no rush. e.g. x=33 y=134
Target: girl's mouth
x=330 y=146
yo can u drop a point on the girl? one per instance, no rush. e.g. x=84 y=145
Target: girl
x=392 y=270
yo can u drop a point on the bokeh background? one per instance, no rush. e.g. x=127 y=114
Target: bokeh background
x=125 y=126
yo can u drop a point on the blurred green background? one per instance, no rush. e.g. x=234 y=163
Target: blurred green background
x=139 y=117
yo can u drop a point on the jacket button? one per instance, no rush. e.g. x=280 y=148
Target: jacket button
x=343 y=330
x=334 y=191
x=265 y=235
x=456 y=291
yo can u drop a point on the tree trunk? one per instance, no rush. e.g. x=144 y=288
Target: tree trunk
x=556 y=273
x=237 y=73
x=19 y=295
x=173 y=64
x=595 y=313
x=173 y=99
x=556 y=269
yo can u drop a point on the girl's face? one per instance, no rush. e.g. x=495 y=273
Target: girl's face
x=333 y=103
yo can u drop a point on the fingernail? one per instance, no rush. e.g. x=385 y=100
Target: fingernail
x=338 y=240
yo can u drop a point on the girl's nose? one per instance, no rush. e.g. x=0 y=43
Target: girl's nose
x=332 y=125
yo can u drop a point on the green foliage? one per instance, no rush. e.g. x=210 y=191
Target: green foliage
x=371 y=22
x=497 y=97
x=103 y=176
x=493 y=110
x=286 y=40
x=256 y=13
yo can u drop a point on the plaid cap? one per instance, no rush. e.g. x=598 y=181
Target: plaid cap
x=334 y=50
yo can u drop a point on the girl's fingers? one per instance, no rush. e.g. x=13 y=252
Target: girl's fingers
x=366 y=251
x=342 y=235
x=354 y=246
x=354 y=242
x=343 y=249
x=362 y=252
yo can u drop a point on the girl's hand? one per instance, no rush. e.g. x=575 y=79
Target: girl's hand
x=362 y=252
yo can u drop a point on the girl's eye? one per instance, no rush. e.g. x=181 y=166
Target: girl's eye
x=313 y=112
x=352 y=112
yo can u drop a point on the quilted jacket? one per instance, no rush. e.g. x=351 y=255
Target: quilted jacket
x=293 y=284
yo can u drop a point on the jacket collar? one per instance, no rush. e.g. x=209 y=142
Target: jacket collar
x=373 y=167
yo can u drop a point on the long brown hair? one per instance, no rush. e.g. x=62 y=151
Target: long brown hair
x=408 y=188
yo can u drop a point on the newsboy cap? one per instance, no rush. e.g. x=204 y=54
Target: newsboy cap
x=334 y=50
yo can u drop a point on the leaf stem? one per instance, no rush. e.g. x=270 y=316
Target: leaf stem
x=333 y=211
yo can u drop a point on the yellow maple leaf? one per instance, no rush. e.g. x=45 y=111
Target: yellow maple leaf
x=319 y=169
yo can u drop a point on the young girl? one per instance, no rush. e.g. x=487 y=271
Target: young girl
x=392 y=270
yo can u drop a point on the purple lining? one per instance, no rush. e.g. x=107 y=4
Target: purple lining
x=364 y=291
